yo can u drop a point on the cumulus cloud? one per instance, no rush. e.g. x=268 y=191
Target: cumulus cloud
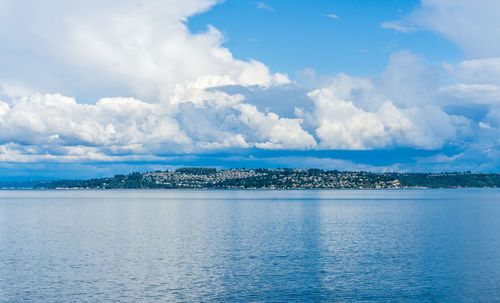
x=214 y=113
x=484 y=70
x=473 y=25
x=114 y=125
x=141 y=49
x=474 y=93
x=273 y=131
x=473 y=85
x=59 y=126
x=171 y=91
x=401 y=108
x=138 y=48
x=343 y=125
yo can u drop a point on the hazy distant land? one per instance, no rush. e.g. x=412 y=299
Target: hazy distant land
x=262 y=178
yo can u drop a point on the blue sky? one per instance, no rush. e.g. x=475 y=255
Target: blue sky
x=96 y=88
x=294 y=35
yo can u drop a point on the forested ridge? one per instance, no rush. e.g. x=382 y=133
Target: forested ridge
x=211 y=178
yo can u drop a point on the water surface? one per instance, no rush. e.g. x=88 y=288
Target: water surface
x=250 y=246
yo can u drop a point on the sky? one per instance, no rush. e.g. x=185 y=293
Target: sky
x=96 y=88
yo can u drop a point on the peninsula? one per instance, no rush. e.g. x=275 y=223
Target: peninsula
x=263 y=178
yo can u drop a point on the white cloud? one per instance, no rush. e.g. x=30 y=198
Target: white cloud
x=264 y=6
x=53 y=126
x=473 y=25
x=115 y=125
x=343 y=125
x=137 y=48
x=275 y=132
x=184 y=93
x=397 y=26
x=408 y=81
x=332 y=16
x=394 y=110
x=485 y=70
x=474 y=93
x=399 y=108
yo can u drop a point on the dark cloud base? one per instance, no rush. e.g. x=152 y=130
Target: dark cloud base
x=399 y=160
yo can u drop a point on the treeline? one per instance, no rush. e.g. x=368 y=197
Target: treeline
x=448 y=180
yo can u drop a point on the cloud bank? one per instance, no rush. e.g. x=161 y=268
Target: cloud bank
x=345 y=113
x=473 y=26
x=127 y=81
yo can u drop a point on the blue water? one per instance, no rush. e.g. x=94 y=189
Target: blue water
x=250 y=246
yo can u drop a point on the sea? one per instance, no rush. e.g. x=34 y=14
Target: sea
x=438 y=245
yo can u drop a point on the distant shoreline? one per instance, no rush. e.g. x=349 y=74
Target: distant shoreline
x=243 y=189
x=202 y=178
x=239 y=189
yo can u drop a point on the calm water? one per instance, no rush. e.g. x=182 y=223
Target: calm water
x=259 y=246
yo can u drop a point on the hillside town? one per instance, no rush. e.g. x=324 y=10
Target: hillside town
x=265 y=178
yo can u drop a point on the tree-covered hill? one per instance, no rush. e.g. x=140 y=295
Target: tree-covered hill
x=211 y=178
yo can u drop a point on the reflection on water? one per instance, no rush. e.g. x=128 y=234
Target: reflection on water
x=149 y=246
